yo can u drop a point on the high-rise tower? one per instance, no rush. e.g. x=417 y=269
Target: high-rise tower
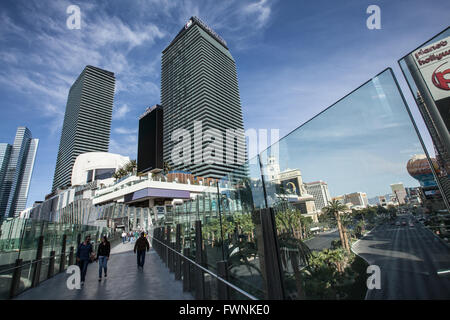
x=200 y=94
x=87 y=121
x=16 y=168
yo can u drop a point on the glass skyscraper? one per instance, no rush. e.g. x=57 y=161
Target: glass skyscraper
x=87 y=121
x=16 y=168
x=200 y=94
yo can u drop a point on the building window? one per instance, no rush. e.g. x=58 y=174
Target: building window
x=101 y=174
x=89 y=176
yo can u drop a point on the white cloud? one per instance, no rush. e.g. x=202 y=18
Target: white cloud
x=261 y=10
x=55 y=56
x=56 y=116
x=121 y=112
x=122 y=130
x=124 y=148
x=104 y=41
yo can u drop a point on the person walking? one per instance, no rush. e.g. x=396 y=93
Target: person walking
x=124 y=237
x=131 y=237
x=84 y=256
x=103 y=251
x=140 y=247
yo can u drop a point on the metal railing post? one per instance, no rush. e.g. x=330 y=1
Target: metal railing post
x=157 y=244
x=272 y=260
x=153 y=243
x=177 y=256
x=199 y=275
x=38 y=263
x=186 y=271
x=223 y=292
x=162 y=240
x=167 y=242
x=15 y=282
x=71 y=256
x=51 y=265
x=62 y=261
x=172 y=257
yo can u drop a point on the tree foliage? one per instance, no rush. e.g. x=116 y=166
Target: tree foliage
x=337 y=211
x=330 y=275
x=129 y=167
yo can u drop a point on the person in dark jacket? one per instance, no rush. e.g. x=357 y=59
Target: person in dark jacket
x=83 y=256
x=104 y=248
x=140 y=247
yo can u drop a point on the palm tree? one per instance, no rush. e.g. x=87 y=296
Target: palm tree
x=167 y=168
x=335 y=208
x=294 y=252
x=130 y=166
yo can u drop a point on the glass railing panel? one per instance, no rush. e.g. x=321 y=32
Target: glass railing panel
x=334 y=174
x=5 y=283
x=426 y=71
x=241 y=196
x=30 y=238
x=26 y=277
x=57 y=263
x=44 y=270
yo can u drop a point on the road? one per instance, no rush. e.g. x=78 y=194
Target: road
x=322 y=240
x=409 y=259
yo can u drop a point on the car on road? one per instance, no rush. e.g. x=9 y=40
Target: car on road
x=411 y=224
x=397 y=223
x=403 y=223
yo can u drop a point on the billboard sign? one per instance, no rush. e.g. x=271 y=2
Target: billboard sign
x=433 y=62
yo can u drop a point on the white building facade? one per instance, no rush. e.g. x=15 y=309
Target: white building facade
x=319 y=190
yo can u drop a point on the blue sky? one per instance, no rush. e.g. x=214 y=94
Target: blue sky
x=294 y=59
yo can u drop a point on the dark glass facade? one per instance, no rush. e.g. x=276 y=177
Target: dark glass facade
x=150 y=144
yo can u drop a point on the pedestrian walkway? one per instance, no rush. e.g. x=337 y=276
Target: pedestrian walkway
x=125 y=281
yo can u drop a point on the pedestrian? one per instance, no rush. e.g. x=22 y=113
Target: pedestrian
x=84 y=256
x=124 y=237
x=139 y=248
x=103 y=251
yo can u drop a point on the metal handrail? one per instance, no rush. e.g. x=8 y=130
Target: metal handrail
x=208 y=271
x=33 y=261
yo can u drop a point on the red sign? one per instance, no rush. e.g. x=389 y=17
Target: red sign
x=439 y=79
